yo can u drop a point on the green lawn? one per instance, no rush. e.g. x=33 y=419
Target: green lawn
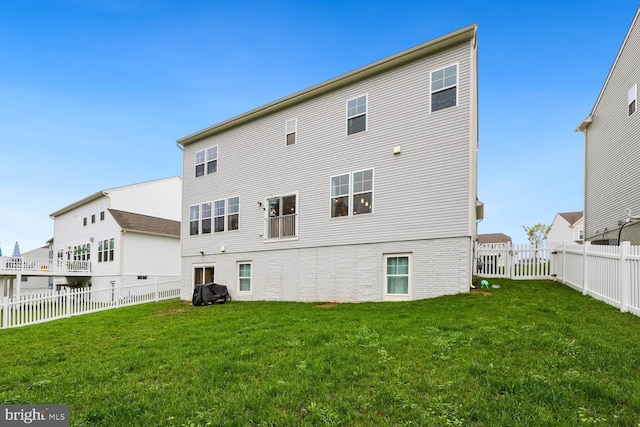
x=530 y=353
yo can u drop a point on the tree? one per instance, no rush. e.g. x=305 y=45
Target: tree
x=537 y=233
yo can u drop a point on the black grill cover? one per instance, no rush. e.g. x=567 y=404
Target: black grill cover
x=210 y=293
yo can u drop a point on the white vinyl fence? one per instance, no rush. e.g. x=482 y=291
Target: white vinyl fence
x=512 y=261
x=608 y=273
x=38 y=308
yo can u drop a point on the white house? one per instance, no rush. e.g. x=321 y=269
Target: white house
x=566 y=227
x=127 y=234
x=612 y=159
x=360 y=188
x=35 y=284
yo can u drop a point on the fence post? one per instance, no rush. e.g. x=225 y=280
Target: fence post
x=585 y=270
x=157 y=290
x=67 y=293
x=5 y=312
x=118 y=294
x=625 y=249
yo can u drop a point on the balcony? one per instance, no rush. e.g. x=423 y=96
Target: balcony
x=43 y=267
x=282 y=227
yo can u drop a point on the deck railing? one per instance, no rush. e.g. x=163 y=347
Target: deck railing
x=42 y=266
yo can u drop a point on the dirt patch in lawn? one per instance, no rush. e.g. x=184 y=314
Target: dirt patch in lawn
x=478 y=291
x=327 y=305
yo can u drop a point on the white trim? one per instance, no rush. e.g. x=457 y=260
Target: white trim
x=349 y=195
x=266 y=216
x=397 y=297
x=227 y=212
x=365 y=113
x=238 y=263
x=456 y=85
x=201 y=265
x=215 y=216
x=287 y=131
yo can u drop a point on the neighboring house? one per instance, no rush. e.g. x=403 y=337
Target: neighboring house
x=566 y=227
x=493 y=238
x=127 y=233
x=612 y=157
x=35 y=284
x=361 y=188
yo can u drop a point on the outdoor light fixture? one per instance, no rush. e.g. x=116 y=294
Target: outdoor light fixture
x=223 y=248
x=201 y=252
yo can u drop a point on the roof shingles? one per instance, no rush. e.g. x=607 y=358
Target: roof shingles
x=146 y=224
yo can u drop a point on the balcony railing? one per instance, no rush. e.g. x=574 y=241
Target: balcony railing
x=281 y=227
x=42 y=266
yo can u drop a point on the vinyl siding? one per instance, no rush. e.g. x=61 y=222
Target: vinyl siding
x=423 y=193
x=612 y=157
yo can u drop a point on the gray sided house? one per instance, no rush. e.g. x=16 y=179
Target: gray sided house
x=612 y=154
x=361 y=188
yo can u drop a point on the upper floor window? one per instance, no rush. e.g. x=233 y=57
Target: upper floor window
x=194 y=220
x=352 y=193
x=291 y=131
x=282 y=219
x=205 y=213
x=633 y=99
x=357 y=115
x=233 y=215
x=207 y=161
x=218 y=219
x=444 y=88
x=105 y=250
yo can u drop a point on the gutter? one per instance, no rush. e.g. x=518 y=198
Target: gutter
x=423 y=50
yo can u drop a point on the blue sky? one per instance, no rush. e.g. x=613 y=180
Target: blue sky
x=94 y=94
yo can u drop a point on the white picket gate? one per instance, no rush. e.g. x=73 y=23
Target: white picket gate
x=512 y=261
x=44 y=307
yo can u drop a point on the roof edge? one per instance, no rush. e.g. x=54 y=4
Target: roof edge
x=91 y=198
x=380 y=66
x=583 y=126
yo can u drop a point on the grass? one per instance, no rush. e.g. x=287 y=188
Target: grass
x=529 y=353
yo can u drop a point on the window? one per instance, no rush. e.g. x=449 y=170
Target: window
x=105 y=250
x=194 y=218
x=199 y=163
x=397 y=274
x=362 y=192
x=84 y=221
x=244 y=277
x=340 y=195
x=207 y=161
x=357 y=115
x=633 y=98
x=219 y=215
x=205 y=213
x=291 y=129
x=444 y=88
x=102 y=216
x=93 y=218
x=352 y=193
x=581 y=234
x=233 y=207
x=212 y=159
x=282 y=217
